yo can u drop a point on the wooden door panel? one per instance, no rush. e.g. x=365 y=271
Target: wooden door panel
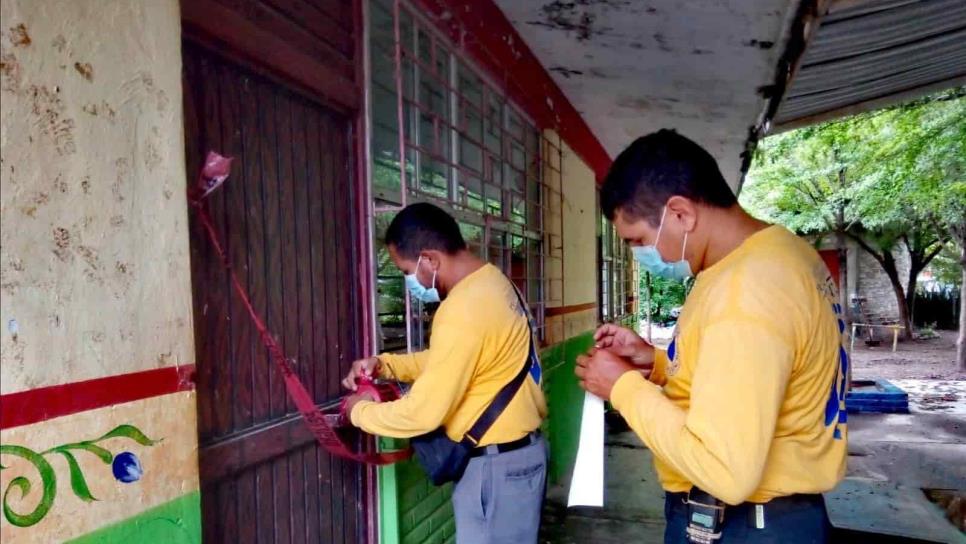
x=286 y=215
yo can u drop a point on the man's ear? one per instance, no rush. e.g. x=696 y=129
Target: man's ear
x=684 y=211
x=433 y=257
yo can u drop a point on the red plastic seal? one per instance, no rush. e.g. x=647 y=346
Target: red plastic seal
x=213 y=174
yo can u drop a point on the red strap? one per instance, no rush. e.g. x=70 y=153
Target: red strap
x=213 y=174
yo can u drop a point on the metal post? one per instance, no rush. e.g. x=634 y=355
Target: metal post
x=400 y=111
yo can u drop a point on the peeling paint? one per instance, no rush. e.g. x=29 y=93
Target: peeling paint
x=85 y=69
x=18 y=36
x=761 y=44
x=700 y=53
x=574 y=17
x=565 y=72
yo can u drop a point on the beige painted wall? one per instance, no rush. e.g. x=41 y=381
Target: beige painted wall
x=94 y=260
x=571 y=230
x=170 y=466
x=579 y=230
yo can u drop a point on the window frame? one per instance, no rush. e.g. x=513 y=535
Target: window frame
x=616 y=287
x=448 y=107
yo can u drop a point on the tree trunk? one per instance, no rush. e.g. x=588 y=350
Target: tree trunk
x=961 y=342
x=889 y=265
x=911 y=293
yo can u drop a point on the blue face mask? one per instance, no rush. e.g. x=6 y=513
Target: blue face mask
x=651 y=261
x=417 y=290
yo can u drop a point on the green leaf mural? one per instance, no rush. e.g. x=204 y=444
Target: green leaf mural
x=129 y=431
x=127 y=471
x=77 y=482
x=47 y=477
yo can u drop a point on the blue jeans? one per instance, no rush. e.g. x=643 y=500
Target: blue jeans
x=499 y=498
x=798 y=519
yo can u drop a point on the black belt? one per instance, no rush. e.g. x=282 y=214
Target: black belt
x=496 y=449
x=756 y=514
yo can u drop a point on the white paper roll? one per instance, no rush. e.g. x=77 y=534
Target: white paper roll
x=587 y=485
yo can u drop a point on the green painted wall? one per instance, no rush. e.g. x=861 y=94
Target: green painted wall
x=564 y=402
x=174 y=522
x=413 y=511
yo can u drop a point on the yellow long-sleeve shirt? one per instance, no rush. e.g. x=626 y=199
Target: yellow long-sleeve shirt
x=480 y=340
x=752 y=405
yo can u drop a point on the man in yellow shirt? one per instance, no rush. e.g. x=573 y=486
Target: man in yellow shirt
x=744 y=412
x=481 y=339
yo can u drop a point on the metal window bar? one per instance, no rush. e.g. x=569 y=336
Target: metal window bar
x=503 y=189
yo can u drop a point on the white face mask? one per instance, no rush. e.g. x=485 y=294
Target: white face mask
x=417 y=290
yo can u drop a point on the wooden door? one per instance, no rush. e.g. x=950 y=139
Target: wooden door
x=286 y=214
x=831 y=258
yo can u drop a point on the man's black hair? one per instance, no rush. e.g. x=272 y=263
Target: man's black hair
x=422 y=226
x=656 y=167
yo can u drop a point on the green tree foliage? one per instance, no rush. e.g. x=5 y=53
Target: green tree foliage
x=665 y=296
x=946 y=268
x=891 y=180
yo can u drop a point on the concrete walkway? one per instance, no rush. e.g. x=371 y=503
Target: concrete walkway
x=892 y=458
x=633 y=502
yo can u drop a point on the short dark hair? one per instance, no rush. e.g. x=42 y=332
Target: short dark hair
x=422 y=226
x=656 y=167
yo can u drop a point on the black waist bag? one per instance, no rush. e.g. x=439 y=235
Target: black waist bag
x=445 y=460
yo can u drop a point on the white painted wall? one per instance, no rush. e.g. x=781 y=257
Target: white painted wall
x=631 y=68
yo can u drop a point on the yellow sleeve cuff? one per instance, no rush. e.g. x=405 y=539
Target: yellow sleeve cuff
x=628 y=388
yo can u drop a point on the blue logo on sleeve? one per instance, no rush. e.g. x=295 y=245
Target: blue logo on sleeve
x=835 y=413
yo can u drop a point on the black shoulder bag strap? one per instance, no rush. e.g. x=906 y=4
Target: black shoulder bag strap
x=506 y=394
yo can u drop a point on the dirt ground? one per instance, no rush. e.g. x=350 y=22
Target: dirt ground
x=932 y=359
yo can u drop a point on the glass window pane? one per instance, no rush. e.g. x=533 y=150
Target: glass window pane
x=470 y=86
x=515 y=125
x=496 y=254
x=432 y=176
x=390 y=292
x=471 y=156
x=494 y=199
x=493 y=124
x=432 y=96
x=472 y=122
x=518 y=210
x=518 y=263
x=517 y=157
x=473 y=235
x=471 y=191
x=425 y=49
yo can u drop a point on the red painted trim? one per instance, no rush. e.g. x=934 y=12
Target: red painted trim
x=573 y=308
x=45 y=403
x=493 y=43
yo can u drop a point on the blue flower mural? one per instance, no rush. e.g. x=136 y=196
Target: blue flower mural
x=125 y=466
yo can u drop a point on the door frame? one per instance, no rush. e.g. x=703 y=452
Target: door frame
x=221 y=29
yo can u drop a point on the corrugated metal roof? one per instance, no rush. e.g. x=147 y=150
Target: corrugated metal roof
x=868 y=53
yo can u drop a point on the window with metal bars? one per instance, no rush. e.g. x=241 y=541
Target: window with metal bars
x=442 y=132
x=617 y=287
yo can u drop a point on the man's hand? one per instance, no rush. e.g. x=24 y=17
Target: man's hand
x=361 y=368
x=624 y=342
x=599 y=370
x=351 y=402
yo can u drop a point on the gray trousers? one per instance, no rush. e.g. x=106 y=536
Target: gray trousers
x=499 y=498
